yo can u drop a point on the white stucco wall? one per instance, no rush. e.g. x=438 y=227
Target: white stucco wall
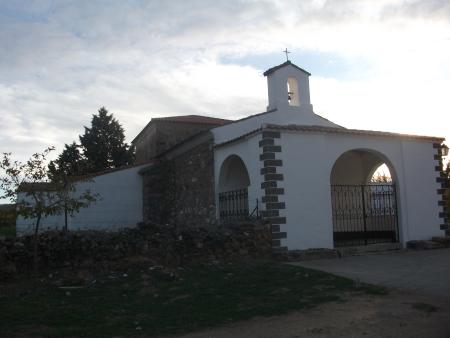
x=308 y=159
x=119 y=205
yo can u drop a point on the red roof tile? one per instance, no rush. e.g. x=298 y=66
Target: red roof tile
x=193 y=119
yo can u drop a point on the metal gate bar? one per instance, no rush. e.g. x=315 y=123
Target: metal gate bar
x=233 y=205
x=364 y=214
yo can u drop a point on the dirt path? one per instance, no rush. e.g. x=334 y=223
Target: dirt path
x=398 y=314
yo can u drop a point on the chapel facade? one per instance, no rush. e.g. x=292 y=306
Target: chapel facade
x=308 y=177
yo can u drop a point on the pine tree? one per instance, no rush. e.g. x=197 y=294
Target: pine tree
x=70 y=162
x=103 y=143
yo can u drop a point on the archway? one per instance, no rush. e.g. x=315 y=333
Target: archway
x=233 y=189
x=364 y=199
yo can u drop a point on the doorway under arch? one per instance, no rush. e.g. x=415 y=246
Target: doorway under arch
x=363 y=199
x=234 y=181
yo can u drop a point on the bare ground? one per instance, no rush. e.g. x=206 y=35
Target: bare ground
x=398 y=314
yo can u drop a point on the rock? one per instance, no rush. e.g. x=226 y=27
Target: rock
x=8 y=271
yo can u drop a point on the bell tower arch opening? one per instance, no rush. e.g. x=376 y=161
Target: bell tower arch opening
x=293 y=95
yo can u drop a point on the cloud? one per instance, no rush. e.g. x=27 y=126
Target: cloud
x=63 y=60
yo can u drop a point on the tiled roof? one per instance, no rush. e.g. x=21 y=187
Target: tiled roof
x=7 y=207
x=37 y=186
x=199 y=119
x=330 y=130
x=193 y=119
x=287 y=63
x=50 y=186
x=333 y=130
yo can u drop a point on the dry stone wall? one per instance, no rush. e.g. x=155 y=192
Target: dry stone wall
x=166 y=245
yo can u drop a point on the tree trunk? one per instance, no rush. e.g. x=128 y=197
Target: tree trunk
x=36 y=245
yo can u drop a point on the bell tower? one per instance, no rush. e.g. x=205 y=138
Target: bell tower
x=288 y=88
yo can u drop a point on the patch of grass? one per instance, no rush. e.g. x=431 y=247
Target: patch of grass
x=424 y=307
x=9 y=231
x=375 y=290
x=149 y=302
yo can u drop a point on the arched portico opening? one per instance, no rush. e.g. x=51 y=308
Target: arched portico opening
x=363 y=199
x=233 y=189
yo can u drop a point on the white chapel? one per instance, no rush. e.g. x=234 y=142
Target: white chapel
x=310 y=178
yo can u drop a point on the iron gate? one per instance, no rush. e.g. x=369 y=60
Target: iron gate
x=233 y=205
x=364 y=214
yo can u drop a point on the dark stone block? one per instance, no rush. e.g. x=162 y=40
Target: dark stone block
x=438 y=168
x=277 y=205
x=266 y=199
x=271 y=134
x=269 y=213
x=441 y=191
x=273 y=163
x=266 y=142
x=436 y=145
x=277 y=220
x=276 y=243
x=267 y=156
x=443 y=226
x=271 y=149
x=268 y=170
x=273 y=177
x=437 y=157
x=274 y=191
x=270 y=184
x=275 y=228
x=278 y=235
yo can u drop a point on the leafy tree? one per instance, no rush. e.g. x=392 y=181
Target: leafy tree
x=70 y=162
x=103 y=144
x=42 y=198
x=66 y=194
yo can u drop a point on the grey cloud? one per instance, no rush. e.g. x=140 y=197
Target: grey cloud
x=420 y=9
x=61 y=60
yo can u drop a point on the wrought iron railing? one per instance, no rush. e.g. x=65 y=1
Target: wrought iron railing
x=364 y=214
x=233 y=205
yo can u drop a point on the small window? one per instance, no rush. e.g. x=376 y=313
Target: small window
x=292 y=90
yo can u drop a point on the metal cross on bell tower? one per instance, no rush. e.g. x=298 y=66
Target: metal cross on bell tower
x=287 y=52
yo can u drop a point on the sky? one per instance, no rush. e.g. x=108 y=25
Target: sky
x=379 y=65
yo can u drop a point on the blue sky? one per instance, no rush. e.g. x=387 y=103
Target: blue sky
x=380 y=65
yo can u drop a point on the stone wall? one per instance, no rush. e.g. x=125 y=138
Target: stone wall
x=7 y=215
x=179 y=189
x=166 y=245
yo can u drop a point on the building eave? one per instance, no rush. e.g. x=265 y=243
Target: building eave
x=331 y=130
